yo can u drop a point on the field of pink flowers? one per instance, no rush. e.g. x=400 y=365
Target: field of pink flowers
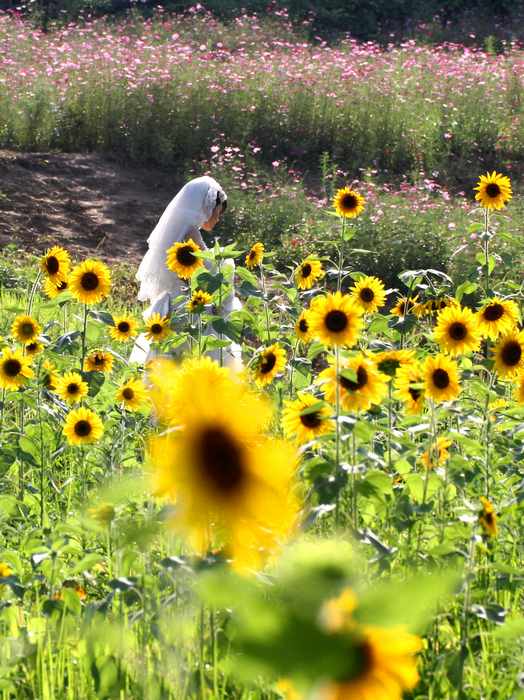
x=176 y=88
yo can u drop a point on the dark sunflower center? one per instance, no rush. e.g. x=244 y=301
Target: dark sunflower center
x=302 y=324
x=52 y=265
x=89 y=281
x=362 y=665
x=27 y=329
x=185 y=256
x=31 y=347
x=493 y=312
x=511 y=353
x=336 y=321
x=220 y=459
x=389 y=366
x=349 y=202
x=83 y=428
x=306 y=270
x=362 y=380
x=415 y=393
x=268 y=362
x=457 y=331
x=12 y=368
x=440 y=378
x=73 y=388
x=128 y=393
x=493 y=190
x=311 y=420
x=402 y=308
x=61 y=285
x=123 y=327
x=99 y=360
x=156 y=328
x=367 y=295
x=488 y=517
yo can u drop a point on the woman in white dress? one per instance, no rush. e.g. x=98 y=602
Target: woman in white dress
x=198 y=205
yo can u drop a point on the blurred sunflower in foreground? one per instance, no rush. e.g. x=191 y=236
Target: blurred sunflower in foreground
x=234 y=488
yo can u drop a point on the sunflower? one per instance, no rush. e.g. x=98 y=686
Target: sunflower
x=71 y=387
x=404 y=306
x=233 y=487
x=270 y=362
x=348 y=203
x=255 y=256
x=5 y=570
x=306 y=418
x=439 y=454
x=308 y=273
x=98 y=361
x=53 y=288
x=49 y=376
x=25 y=329
x=335 y=319
x=389 y=361
x=157 y=328
x=441 y=378
x=55 y=264
x=518 y=393
x=409 y=383
x=82 y=427
x=361 y=385
x=386 y=666
x=434 y=306
x=33 y=348
x=124 y=328
x=488 y=518
x=509 y=354
x=494 y=190
x=198 y=300
x=132 y=394
x=497 y=317
x=302 y=327
x=15 y=369
x=181 y=258
x=457 y=331
x=369 y=293
x=90 y=282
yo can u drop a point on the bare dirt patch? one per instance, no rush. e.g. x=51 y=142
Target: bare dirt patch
x=86 y=202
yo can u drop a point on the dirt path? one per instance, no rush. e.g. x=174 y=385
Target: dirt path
x=86 y=202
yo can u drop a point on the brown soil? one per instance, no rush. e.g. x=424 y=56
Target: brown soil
x=85 y=202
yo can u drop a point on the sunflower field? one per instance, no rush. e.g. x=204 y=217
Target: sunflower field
x=338 y=518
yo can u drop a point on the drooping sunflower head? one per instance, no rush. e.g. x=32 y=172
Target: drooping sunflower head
x=457 y=331
x=335 y=319
x=48 y=375
x=437 y=454
x=389 y=361
x=123 y=329
x=509 y=354
x=369 y=293
x=33 y=348
x=404 y=306
x=216 y=466
x=409 y=388
x=302 y=327
x=433 y=306
x=132 y=394
x=493 y=190
x=98 y=361
x=55 y=264
x=25 y=329
x=181 y=258
x=90 y=282
x=15 y=369
x=348 y=203
x=255 y=256
x=306 y=418
x=52 y=288
x=157 y=328
x=269 y=363
x=441 y=378
x=360 y=384
x=71 y=387
x=488 y=518
x=308 y=273
x=198 y=300
x=83 y=427
x=497 y=317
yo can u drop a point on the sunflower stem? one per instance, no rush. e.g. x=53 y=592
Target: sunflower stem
x=486 y=251
x=32 y=293
x=487 y=436
x=84 y=336
x=292 y=366
x=340 y=256
x=337 y=432
x=266 y=308
x=432 y=459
